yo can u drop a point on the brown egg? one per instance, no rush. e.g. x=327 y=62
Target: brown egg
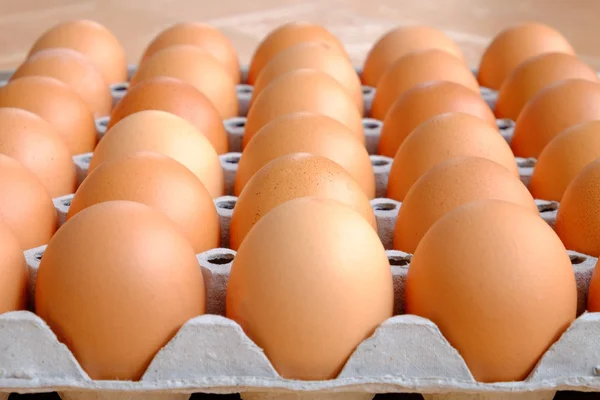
x=533 y=75
x=499 y=285
x=448 y=185
x=302 y=90
x=58 y=104
x=551 y=111
x=593 y=304
x=300 y=290
x=423 y=102
x=25 y=205
x=203 y=36
x=289 y=177
x=72 y=68
x=321 y=56
x=91 y=39
x=286 y=36
x=115 y=284
x=305 y=132
x=415 y=68
x=514 y=45
x=176 y=97
x=36 y=144
x=14 y=284
x=160 y=182
x=441 y=138
x=166 y=134
x=195 y=66
x=400 y=42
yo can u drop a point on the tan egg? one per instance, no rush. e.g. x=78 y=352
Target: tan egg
x=551 y=111
x=91 y=39
x=423 y=102
x=178 y=98
x=14 y=284
x=310 y=133
x=166 y=134
x=200 y=35
x=289 y=177
x=195 y=66
x=25 y=205
x=160 y=182
x=448 y=185
x=302 y=90
x=321 y=56
x=415 y=68
x=36 y=144
x=58 y=104
x=441 y=138
x=499 y=285
x=533 y=75
x=400 y=42
x=115 y=284
x=514 y=45
x=286 y=36
x=300 y=290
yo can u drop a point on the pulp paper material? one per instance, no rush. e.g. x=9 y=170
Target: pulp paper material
x=526 y=166
x=507 y=128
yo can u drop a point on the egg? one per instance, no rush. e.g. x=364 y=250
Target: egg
x=160 y=182
x=166 y=134
x=25 y=205
x=593 y=301
x=14 y=284
x=291 y=176
x=441 y=138
x=195 y=66
x=74 y=69
x=499 y=285
x=321 y=56
x=415 y=68
x=552 y=110
x=310 y=133
x=286 y=36
x=91 y=39
x=533 y=75
x=115 y=284
x=300 y=290
x=448 y=185
x=35 y=143
x=514 y=45
x=402 y=41
x=302 y=90
x=203 y=36
x=423 y=102
x=178 y=98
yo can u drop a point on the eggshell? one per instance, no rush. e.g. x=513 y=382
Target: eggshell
x=415 y=68
x=292 y=176
x=302 y=90
x=593 y=304
x=499 y=285
x=166 y=134
x=552 y=110
x=448 y=185
x=195 y=66
x=176 y=97
x=14 y=284
x=423 y=102
x=321 y=56
x=286 y=36
x=514 y=45
x=25 y=205
x=401 y=41
x=200 y=35
x=160 y=182
x=115 y=284
x=300 y=290
x=91 y=39
x=310 y=133
x=533 y=75
x=441 y=138
x=36 y=144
